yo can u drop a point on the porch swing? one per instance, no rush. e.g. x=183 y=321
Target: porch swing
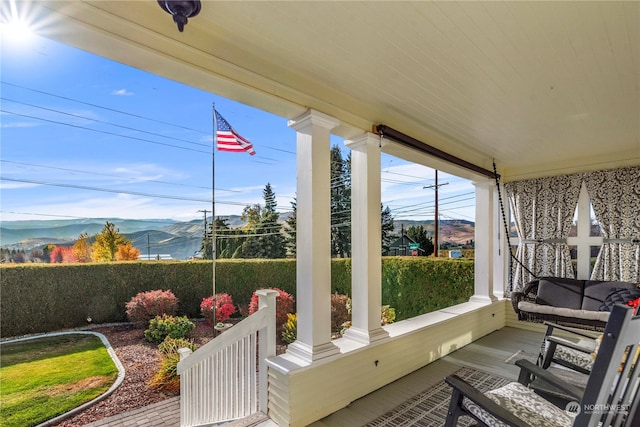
x=568 y=302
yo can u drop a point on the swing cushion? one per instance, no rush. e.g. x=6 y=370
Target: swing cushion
x=560 y=292
x=569 y=302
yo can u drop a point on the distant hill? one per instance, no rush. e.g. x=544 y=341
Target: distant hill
x=456 y=231
x=153 y=236
x=164 y=236
x=12 y=232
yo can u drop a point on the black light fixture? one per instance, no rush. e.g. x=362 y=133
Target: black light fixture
x=181 y=10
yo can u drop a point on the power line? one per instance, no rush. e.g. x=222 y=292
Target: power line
x=114 y=176
x=207 y=133
x=105 y=174
x=103 y=107
x=105 y=132
x=77 y=116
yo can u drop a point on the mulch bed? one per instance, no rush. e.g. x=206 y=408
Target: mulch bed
x=140 y=359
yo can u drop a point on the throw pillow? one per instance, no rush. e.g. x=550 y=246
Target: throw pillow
x=619 y=296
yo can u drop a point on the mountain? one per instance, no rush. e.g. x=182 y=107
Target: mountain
x=455 y=231
x=12 y=232
x=181 y=240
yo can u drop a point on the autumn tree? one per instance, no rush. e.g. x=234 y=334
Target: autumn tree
x=62 y=255
x=46 y=251
x=107 y=241
x=127 y=252
x=82 y=249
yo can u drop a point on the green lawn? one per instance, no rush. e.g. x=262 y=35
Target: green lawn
x=45 y=377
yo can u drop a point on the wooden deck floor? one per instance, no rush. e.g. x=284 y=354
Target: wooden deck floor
x=487 y=354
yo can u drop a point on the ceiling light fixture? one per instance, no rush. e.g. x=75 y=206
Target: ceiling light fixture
x=181 y=10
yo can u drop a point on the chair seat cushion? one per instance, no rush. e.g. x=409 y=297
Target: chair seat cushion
x=524 y=404
x=575 y=357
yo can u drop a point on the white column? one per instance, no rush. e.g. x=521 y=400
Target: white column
x=485 y=243
x=366 y=240
x=313 y=234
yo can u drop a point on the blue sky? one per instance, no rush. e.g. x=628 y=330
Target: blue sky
x=85 y=137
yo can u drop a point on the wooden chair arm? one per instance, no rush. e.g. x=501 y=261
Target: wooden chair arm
x=483 y=401
x=551 y=326
x=529 y=370
x=570 y=344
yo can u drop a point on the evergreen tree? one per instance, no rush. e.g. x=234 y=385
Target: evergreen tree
x=290 y=229
x=265 y=232
x=387 y=228
x=419 y=235
x=340 y=211
x=228 y=240
x=340 y=204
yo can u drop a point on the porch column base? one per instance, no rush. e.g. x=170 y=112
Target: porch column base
x=363 y=336
x=309 y=353
x=483 y=299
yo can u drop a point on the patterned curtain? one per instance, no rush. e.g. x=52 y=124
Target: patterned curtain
x=543 y=211
x=615 y=197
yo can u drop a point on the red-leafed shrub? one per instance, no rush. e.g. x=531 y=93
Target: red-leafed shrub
x=147 y=305
x=224 y=308
x=340 y=312
x=285 y=304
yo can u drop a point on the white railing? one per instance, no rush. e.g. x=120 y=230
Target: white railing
x=226 y=379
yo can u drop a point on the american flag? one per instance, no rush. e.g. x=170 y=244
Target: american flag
x=228 y=139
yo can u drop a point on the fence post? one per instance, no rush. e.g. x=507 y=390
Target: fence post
x=267 y=343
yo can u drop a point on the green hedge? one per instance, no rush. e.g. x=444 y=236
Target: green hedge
x=47 y=297
x=418 y=285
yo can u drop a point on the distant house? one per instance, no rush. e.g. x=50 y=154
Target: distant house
x=155 y=257
x=404 y=246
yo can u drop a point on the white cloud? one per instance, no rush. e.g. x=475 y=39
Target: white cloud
x=20 y=125
x=122 y=92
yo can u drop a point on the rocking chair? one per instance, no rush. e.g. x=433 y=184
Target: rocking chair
x=610 y=398
x=575 y=354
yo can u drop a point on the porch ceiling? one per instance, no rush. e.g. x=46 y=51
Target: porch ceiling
x=542 y=87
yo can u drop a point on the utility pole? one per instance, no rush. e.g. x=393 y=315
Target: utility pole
x=437 y=217
x=205 y=228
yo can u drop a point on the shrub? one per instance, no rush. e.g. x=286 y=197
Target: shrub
x=167 y=379
x=340 y=312
x=387 y=315
x=168 y=326
x=146 y=305
x=171 y=345
x=285 y=304
x=290 y=328
x=224 y=308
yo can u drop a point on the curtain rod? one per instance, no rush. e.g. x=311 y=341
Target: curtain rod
x=400 y=137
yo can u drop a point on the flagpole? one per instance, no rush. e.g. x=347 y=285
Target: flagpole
x=213 y=216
